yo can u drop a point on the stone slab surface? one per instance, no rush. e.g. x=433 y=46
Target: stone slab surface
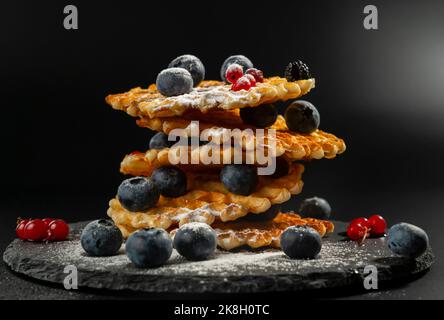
x=340 y=263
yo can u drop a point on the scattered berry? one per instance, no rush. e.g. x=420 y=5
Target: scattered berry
x=252 y=79
x=268 y=215
x=239 y=59
x=302 y=117
x=363 y=221
x=407 y=240
x=301 y=242
x=257 y=74
x=170 y=181
x=195 y=241
x=243 y=83
x=192 y=64
x=138 y=194
x=160 y=141
x=174 y=82
x=20 y=229
x=149 y=248
x=58 y=230
x=315 y=207
x=101 y=238
x=356 y=231
x=297 y=70
x=282 y=168
x=261 y=117
x=47 y=221
x=35 y=230
x=377 y=225
x=234 y=72
x=239 y=179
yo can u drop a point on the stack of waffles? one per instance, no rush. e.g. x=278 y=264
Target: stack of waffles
x=254 y=220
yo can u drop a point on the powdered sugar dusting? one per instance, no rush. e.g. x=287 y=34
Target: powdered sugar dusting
x=196 y=227
x=335 y=256
x=212 y=97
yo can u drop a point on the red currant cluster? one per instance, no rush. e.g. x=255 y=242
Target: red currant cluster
x=42 y=229
x=235 y=75
x=360 y=228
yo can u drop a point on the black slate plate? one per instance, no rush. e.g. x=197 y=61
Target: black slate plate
x=340 y=263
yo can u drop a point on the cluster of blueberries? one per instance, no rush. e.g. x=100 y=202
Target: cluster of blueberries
x=196 y=241
x=149 y=248
x=187 y=71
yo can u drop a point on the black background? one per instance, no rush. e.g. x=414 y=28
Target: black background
x=381 y=90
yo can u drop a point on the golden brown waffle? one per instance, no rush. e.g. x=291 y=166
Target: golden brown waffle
x=209 y=95
x=294 y=146
x=143 y=164
x=232 y=235
x=215 y=118
x=235 y=234
x=207 y=200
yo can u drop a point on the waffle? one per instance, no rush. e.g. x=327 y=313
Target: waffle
x=143 y=164
x=294 y=146
x=229 y=119
x=266 y=233
x=255 y=235
x=208 y=201
x=209 y=95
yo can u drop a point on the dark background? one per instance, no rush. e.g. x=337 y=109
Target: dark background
x=381 y=90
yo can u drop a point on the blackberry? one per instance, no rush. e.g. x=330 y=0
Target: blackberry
x=297 y=70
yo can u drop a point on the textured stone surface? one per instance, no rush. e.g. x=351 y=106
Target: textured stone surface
x=340 y=263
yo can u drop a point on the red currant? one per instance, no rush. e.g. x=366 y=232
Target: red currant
x=47 y=221
x=35 y=230
x=356 y=231
x=20 y=229
x=234 y=72
x=135 y=153
x=252 y=79
x=363 y=221
x=242 y=84
x=377 y=224
x=257 y=74
x=58 y=230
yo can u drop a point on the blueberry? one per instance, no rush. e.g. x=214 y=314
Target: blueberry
x=149 y=248
x=191 y=63
x=297 y=70
x=407 y=240
x=174 y=82
x=239 y=179
x=315 y=207
x=160 y=141
x=170 y=181
x=282 y=168
x=268 y=215
x=101 y=238
x=301 y=242
x=195 y=241
x=302 y=117
x=138 y=194
x=261 y=117
x=239 y=59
